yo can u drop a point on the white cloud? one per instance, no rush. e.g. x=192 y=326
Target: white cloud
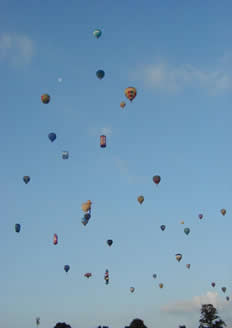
x=171 y=78
x=194 y=305
x=17 y=49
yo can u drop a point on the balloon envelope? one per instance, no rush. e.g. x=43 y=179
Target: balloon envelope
x=200 y=216
x=186 y=231
x=130 y=93
x=140 y=199
x=162 y=227
x=17 y=227
x=156 y=179
x=55 y=239
x=178 y=257
x=223 y=211
x=66 y=268
x=52 y=136
x=132 y=289
x=97 y=33
x=109 y=242
x=45 y=98
x=122 y=104
x=100 y=74
x=26 y=179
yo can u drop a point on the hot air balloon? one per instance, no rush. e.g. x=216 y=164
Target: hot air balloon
x=100 y=74
x=88 y=275
x=45 y=98
x=154 y=275
x=227 y=298
x=181 y=222
x=188 y=266
x=37 y=321
x=223 y=211
x=52 y=136
x=84 y=221
x=178 y=257
x=55 y=239
x=122 y=104
x=130 y=93
x=224 y=289
x=132 y=289
x=86 y=206
x=102 y=141
x=156 y=179
x=17 y=227
x=26 y=179
x=97 y=33
x=161 y=285
x=213 y=284
x=200 y=216
x=186 y=231
x=140 y=199
x=109 y=242
x=162 y=227
x=106 y=277
x=66 y=268
x=65 y=155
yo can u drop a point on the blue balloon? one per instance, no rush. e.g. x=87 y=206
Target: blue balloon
x=52 y=136
x=66 y=268
x=17 y=227
x=100 y=74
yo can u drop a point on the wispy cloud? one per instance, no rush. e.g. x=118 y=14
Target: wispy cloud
x=194 y=305
x=164 y=76
x=17 y=49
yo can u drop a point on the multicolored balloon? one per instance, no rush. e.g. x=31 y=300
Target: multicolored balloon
x=130 y=93
x=223 y=211
x=140 y=199
x=178 y=257
x=45 y=98
x=122 y=104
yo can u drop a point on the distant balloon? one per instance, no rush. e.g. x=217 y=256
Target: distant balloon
x=100 y=74
x=161 y=285
x=181 y=222
x=66 y=268
x=224 y=289
x=65 y=155
x=132 y=289
x=26 y=179
x=154 y=275
x=140 y=199
x=186 y=231
x=88 y=274
x=17 y=227
x=45 y=98
x=97 y=33
x=162 y=227
x=86 y=206
x=188 y=266
x=55 y=239
x=122 y=104
x=52 y=136
x=102 y=141
x=227 y=298
x=223 y=211
x=213 y=284
x=178 y=257
x=200 y=216
x=156 y=179
x=130 y=93
x=109 y=242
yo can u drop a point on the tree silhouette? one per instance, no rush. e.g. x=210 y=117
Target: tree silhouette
x=209 y=317
x=137 y=323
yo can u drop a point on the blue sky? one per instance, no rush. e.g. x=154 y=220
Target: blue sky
x=179 y=58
